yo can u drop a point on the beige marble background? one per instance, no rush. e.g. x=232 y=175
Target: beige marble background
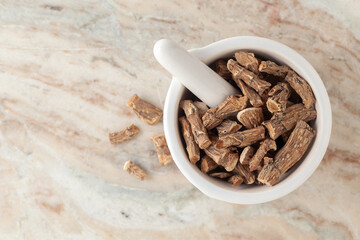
x=67 y=69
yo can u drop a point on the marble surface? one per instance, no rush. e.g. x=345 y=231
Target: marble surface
x=67 y=69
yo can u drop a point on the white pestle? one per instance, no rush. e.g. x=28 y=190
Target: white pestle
x=196 y=76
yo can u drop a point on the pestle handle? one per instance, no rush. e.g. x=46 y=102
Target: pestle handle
x=196 y=76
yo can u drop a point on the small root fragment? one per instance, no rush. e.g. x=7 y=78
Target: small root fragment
x=207 y=164
x=135 y=170
x=124 y=135
x=251 y=117
x=147 y=112
x=236 y=180
x=162 y=149
x=288 y=155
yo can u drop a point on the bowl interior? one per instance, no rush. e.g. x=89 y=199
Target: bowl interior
x=251 y=193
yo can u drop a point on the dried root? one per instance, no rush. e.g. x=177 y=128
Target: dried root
x=197 y=127
x=251 y=117
x=135 y=170
x=214 y=116
x=162 y=149
x=250 y=78
x=124 y=135
x=288 y=155
x=147 y=112
x=191 y=147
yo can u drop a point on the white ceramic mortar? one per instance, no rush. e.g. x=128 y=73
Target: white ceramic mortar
x=250 y=194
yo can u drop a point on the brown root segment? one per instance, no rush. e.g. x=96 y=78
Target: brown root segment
x=288 y=155
x=251 y=94
x=202 y=107
x=226 y=157
x=242 y=138
x=221 y=69
x=246 y=155
x=227 y=127
x=248 y=61
x=265 y=146
x=147 y=112
x=243 y=170
x=207 y=164
x=251 y=117
x=278 y=97
x=221 y=175
x=250 y=78
x=135 y=170
x=162 y=149
x=214 y=116
x=302 y=88
x=191 y=147
x=273 y=69
x=199 y=131
x=236 y=180
x=282 y=122
x=124 y=135
x=268 y=160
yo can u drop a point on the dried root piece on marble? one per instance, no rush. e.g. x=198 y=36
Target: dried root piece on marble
x=248 y=61
x=246 y=155
x=147 y=112
x=162 y=149
x=220 y=175
x=251 y=117
x=273 y=69
x=227 y=127
x=278 y=97
x=197 y=127
x=221 y=69
x=207 y=164
x=302 y=88
x=202 y=107
x=250 y=78
x=236 y=180
x=282 y=122
x=135 y=170
x=192 y=148
x=242 y=138
x=265 y=146
x=124 y=135
x=254 y=98
x=288 y=155
x=214 y=116
x=249 y=177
